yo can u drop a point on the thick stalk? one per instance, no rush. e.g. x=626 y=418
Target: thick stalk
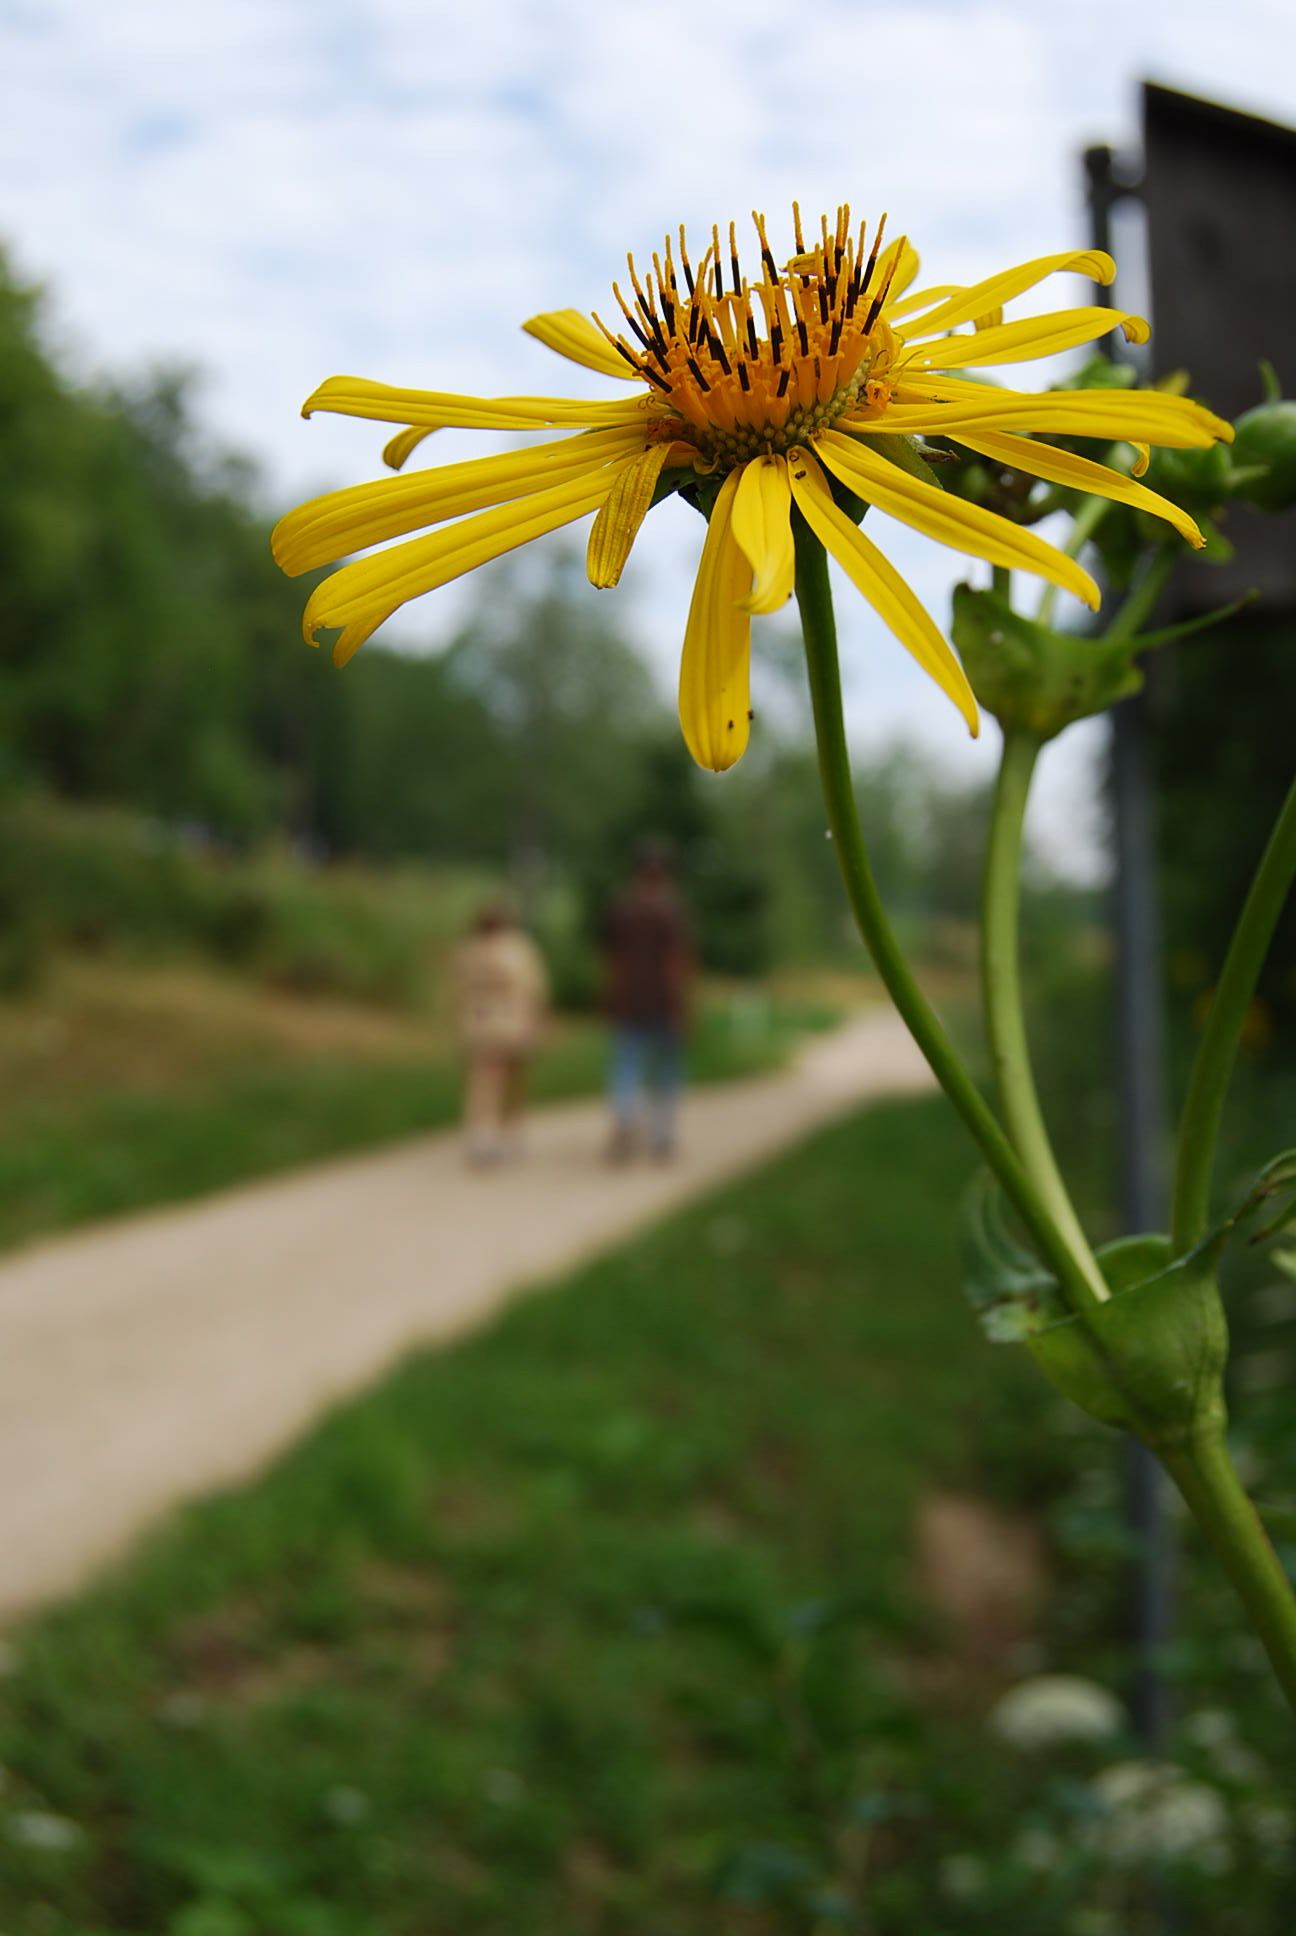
x=814 y=597
x=1002 y=996
x=1217 y=1051
x=1204 y=1474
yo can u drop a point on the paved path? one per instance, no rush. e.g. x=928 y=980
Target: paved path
x=150 y=1360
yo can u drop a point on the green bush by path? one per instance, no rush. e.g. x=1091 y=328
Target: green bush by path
x=104 y=882
x=606 y=1621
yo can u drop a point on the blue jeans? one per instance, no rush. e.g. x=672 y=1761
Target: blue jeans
x=647 y=1054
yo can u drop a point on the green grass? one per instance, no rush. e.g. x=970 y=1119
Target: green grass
x=242 y=1103
x=607 y=1621
x=597 y=1622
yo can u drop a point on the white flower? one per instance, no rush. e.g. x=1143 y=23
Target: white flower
x=1210 y=1727
x=38 y=1828
x=346 y=1806
x=1153 y=1812
x=1055 y=1708
x=183 y=1709
x=1270 y=1826
x=963 y=1877
x=1036 y=1848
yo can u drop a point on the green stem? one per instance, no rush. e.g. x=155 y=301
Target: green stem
x=1140 y=600
x=1216 y=1053
x=814 y=597
x=1083 y=525
x=1002 y=996
x=1204 y=1473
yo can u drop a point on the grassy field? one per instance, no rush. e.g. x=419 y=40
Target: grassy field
x=127 y=1085
x=644 y=1614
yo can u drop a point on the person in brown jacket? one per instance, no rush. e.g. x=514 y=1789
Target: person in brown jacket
x=503 y=994
x=648 y=978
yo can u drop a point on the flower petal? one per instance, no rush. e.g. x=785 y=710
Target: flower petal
x=895 y=602
x=965 y=305
x=715 y=668
x=398 y=449
x=1021 y=341
x=949 y=519
x=1079 y=474
x=923 y=299
x=1131 y=416
x=328 y=527
x=575 y=337
x=905 y=257
x=623 y=510
x=356 y=396
x=378 y=585
x=762 y=527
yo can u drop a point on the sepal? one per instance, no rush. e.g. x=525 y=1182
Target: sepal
x=1040 y=681
x=1150 y=1360
x=1031 y=677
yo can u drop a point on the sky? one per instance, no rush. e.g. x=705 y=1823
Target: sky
x=272 y=191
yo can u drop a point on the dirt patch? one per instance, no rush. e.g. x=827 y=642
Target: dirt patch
x=233 y=1657
x=986 y=1572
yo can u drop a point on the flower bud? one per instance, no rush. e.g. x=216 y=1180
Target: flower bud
x=1266 y=444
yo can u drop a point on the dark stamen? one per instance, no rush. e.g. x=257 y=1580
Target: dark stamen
x=785 y=377
x=718 y=351
x=702 y=382
x=875 y=307
x=684 y=262
x=643 y=336
x=743 y=377
x=871 y=264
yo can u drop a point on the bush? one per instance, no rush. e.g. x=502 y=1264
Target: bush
x=98 y=881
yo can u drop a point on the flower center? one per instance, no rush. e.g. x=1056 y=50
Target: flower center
x=745 y=367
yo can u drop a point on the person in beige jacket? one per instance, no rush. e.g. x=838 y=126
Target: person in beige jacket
x=503 y=994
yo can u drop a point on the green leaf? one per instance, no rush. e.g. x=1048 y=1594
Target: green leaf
x=1008 y=1289
x=1099 y=372
x=1167 y=634
x=1276 y=1179
x=903 y=453
x=700 y=492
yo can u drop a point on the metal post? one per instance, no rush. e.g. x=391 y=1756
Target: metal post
x=1143 y=1113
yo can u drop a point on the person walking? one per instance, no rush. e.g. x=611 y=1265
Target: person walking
x=648 y=978
x=503 y=995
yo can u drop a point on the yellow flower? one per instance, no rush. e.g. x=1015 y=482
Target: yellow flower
x=758 y=398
